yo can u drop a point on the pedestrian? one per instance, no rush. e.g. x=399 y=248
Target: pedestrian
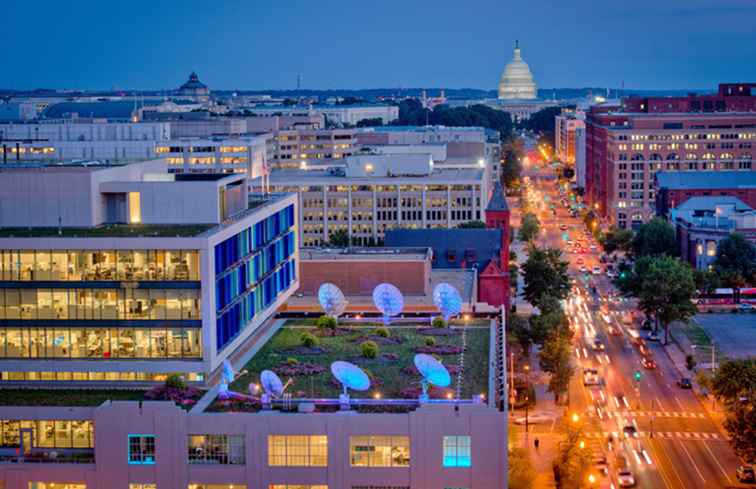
x=536 y=442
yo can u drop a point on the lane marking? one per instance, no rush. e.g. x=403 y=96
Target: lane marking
x=682 y=445
x=724 y=472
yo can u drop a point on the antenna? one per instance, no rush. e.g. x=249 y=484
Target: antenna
x=350 y=376
x=447 y=300
x=388 y=299
x=433 y=372
x=332 y=300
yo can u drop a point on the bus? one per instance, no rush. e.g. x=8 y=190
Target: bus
x=724 y=297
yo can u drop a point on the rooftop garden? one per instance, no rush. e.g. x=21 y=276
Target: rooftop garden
x=301 y=353
x=109 y=231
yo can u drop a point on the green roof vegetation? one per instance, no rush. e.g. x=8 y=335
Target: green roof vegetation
x=65 y=397
x=109 y=231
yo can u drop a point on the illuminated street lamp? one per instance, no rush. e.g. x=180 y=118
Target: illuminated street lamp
x=575 y=418
x=591 y=479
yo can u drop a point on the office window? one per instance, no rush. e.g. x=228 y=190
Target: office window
x=297 y=450
x=216 y=449
x=457 y=451
x=142 y=449
x=139 y=485
x=57 y=485
x=379 y=451
x=297 y=486
x=135 y=208
x=217 y=486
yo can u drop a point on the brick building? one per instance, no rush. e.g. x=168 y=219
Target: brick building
x=673 y=188
x=627 y=144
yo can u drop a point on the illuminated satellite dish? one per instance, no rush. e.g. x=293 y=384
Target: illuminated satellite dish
x=448 y=300
x=388 y=299
x=228 y=374
x=433 y=372
x=332 y=300
x=271 y=383
x=350 y=376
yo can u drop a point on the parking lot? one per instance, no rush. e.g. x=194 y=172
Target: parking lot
x=734 y=334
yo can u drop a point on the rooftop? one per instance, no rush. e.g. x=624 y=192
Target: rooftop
x=680 y=180
x=109 y=231
x=423 y=129
x=711 y=202
x=451 y=247
x=445 y=175
x=364 y=254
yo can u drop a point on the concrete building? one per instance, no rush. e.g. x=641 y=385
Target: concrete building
x=673 y=188
x=484 y=250
x=231 y=154
x=373 y=192
x=335 y=115
x=626 y=145
x=18 y=111
x=125 y=273
x=565 y=132
x=300 y=148
x=580 y=157
x=702 y=222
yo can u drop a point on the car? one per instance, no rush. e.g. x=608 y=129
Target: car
x=570 y=242
x=684 y=383
x=630 y=431
x=610 y=274
x=745 y=306
x=652 y=336
x=648 y=363
x=590 y=376
x=625 y=478
x=536 y=418
x=745 y=473
x=594 y=248
x=563 y=227
x=598 y=345
x=596 y=270
x=583 y=269
x=598 y=396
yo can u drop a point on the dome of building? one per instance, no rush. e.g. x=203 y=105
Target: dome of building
x=517 y=81
x=194 y=88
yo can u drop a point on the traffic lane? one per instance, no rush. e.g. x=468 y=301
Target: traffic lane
x=694 y=464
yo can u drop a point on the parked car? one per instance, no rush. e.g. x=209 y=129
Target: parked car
x=684 y=383
x=583 y=269
x=625 y=478
x=745 y=473
x=596 y=270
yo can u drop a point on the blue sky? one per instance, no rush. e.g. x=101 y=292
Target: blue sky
x=260 y=44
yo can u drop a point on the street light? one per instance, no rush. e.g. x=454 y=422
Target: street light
x=527 y=395
x=591 y=479
x=575 y=418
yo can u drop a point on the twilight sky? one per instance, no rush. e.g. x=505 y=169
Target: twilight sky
x=262 y=44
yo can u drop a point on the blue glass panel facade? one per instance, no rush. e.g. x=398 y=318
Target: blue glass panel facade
x=251 y=269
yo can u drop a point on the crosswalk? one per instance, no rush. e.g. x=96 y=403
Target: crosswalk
x=679 y=435
x=657 y=414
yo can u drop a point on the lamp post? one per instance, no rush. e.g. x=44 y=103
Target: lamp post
x=527 y=396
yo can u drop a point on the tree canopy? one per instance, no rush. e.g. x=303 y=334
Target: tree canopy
x=545 y=275
x=656 y=237
x=735 y=384
x=616 y=239
x=412 y=113
x=529 y=227
x=736 y=261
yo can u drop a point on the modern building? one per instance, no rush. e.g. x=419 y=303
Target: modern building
x=516 y=80
x=580 y=157
x=372 y=192
x=335 y=115
x=125 y=273
x=485 y=250
x=565 y=133
x=626 y=145
x=673 y=188
x=702 y=222
x=231 y=154
x=302 y=147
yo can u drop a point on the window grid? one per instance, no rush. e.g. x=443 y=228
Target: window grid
x=379 y=451
x=457 y=451
x=216 y=449
x=142 y=449
x=297 y=450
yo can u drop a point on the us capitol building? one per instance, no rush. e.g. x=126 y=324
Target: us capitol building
x=518 y=94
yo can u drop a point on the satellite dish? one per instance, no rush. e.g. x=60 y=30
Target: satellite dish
x=271 y=383
x=350 y=376
x=388 y=299
x=332 y=300
x=448 y=300
x=228 y=374
x=433 y=372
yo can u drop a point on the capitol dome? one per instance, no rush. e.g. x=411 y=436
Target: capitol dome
x=517 y=81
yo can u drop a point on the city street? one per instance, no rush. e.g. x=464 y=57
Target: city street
x=635 y=414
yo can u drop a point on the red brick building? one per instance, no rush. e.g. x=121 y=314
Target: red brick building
x=627 y=144
x=674 y=188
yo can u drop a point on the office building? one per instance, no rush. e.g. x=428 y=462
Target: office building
x=222 y=154
x=673 y=188
x=335 y=115
x=580 y=157
x=302 y=147
x=125 y=273
x=565 y=132
x=626 y=145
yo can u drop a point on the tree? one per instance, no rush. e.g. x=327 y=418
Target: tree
x=521 y=472
x=664 y=287
x=529 y=227
x=706 y=281
x=556 y=358
x=545 y=274
x=472 y=225
x=339 y=238
x=551 y=320
x=374 y=122
x=736 y=262
x=518 y=329
x=656 y=237
x=735 y=379
x=616 y=239
x=741 y=427
x=574 y=458
x=512 y=151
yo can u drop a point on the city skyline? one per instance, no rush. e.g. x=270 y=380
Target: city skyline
x=245 y=46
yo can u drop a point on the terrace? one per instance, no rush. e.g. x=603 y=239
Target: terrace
x=109 y=231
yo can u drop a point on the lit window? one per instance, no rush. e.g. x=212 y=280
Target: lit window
x=135 y=208
x=298 y=486
x=379 y=451
x=297 y=450
x=56 y=485
x=711 y=248
x=218 y=486
x=142 y=449
x=457 y=451
x=216 y=449
x=699 y=249
x=139 y=485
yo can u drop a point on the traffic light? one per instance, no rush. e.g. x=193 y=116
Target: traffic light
x=637 y=375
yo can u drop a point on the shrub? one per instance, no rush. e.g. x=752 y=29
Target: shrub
x=292 y=361
x=430 y=341
x=175 y=381
x=369 y=349
x=326 y=322
x=382 y=332
x=438 y=322
x=690 y=362
x=309 y=340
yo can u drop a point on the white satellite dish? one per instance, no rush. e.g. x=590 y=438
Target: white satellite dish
x=332 y=299
x=271 y=383
x=448 y=300
x=350 y=376
x=433 y=372
x=228 y=374
x=388 y=299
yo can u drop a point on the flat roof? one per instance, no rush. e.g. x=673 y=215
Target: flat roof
x=682 y=180
x=64 y=166
x=109 y=231
x=364 y=254
x=439 y=175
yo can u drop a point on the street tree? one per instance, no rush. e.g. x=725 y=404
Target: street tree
x=555 y=358
x=656 y=237
x=740 y=425
x=735 y=380
x=574 y=458
x=706 y=281
x=551 y=320
x=518 y=330
x=736 y=262
x=521 y=472
x=529 y=227
x=616 y=239
x=545 y=274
